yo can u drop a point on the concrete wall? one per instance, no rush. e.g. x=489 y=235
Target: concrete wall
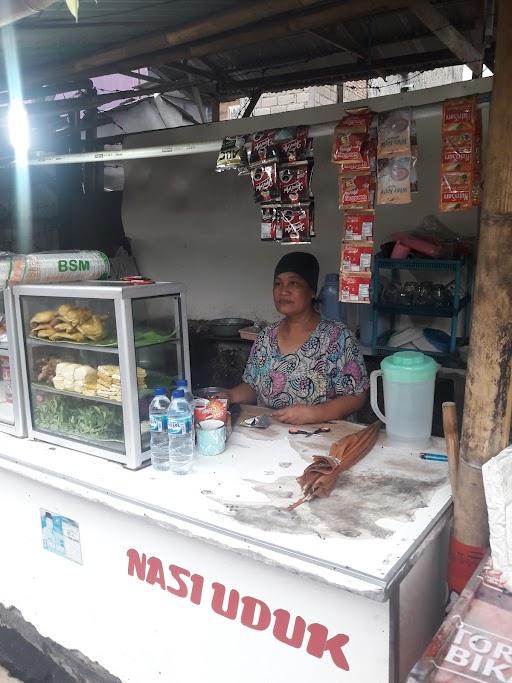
x=188 y=223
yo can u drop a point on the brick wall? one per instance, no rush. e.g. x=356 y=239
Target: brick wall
x=276 y=103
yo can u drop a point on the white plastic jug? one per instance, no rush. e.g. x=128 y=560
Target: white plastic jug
x=409 y=379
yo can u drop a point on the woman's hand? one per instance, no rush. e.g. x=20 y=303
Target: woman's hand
x=296 y=415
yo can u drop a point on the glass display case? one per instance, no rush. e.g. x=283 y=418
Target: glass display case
x=92 y=356
x=12 y=406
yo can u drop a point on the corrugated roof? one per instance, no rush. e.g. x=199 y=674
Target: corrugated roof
x=366 y=45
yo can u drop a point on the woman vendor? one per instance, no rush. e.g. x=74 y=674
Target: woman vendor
x=309 y=370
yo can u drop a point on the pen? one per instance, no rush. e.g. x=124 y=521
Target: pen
x=434 y=456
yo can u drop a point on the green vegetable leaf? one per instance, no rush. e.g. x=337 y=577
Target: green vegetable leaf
x=73 y=6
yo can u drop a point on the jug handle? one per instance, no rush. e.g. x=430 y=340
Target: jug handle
x=374 y=376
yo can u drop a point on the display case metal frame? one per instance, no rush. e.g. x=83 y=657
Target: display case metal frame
x=122 y=295
x=11 y=350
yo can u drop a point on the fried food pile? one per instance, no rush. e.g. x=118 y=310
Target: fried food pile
x=69 y=323
x=83 y=379
x=109 y=381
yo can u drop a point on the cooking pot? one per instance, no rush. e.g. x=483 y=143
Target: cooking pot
x=208 y=392
x=228 y=327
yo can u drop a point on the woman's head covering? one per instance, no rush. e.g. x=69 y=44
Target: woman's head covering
x=301 y=263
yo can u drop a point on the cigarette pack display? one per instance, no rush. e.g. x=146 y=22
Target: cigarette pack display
x=356 y=258
x=355 y=289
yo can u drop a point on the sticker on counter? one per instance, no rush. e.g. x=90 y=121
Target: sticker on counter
x=61 y=536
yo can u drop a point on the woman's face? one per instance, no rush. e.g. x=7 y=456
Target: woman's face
x=292 y=294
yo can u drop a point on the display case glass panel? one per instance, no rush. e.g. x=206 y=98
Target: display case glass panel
x=94 y=355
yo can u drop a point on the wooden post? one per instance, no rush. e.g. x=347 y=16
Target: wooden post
x=488 y=398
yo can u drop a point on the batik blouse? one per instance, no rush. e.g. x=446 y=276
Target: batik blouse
x=329 y=364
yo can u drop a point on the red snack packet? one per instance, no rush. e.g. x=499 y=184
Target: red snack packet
x=456 y=191
x=215 y=409
x=294 y=183
x=355 y=289
x=357 y=192
x=296 y=224
x=271 y=222
x=359 y=226
x=296 y=147
x=262 y=147
x=356 y=258
x=458 y=152
x=459 y=115
x=264 y=182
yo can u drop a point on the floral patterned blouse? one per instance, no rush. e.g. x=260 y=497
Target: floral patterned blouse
x=329 y=364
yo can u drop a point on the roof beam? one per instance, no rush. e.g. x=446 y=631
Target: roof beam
x=252 y=103
x=448 y=34
x=270 y=30
x=336 y=74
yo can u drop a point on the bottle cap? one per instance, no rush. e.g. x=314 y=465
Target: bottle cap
x=181 y=383
x=160 y=391
x=178 y=393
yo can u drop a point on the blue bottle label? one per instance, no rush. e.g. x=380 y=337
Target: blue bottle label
x=157 y=423
x=180 y=425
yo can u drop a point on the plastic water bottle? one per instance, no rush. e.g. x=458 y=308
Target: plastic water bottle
x=331 y=306
x=158 y=410
x=179 y=426
x=189 y=398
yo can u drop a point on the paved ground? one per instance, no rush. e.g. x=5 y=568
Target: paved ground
x=5 y=678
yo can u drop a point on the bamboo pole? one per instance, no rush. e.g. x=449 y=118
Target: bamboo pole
x=451 y=435
x=221 y=22
x=488 y=397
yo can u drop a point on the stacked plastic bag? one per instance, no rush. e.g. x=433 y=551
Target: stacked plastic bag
x=51 y=267
x=497 y=474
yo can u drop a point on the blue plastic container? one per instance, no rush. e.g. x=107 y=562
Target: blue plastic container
x=330 y=305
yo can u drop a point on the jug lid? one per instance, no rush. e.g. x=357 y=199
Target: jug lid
x=409 y=366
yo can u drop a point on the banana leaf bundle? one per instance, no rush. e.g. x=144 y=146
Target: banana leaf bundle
x=319 y=478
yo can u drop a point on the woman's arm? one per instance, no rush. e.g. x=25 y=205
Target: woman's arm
x=335 y=409
x=243 y=393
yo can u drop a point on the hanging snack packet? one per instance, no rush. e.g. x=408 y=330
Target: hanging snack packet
x=356 y=258
x=357 y=192
x=296 y=224
x=232 y=153
x=394 y=134
x=459 y=115
x=294 y=183
x=271 y=222
x=262 y=147
x=355 y=289
x=264 y=182
x=458 y=152
x=349 y=136
x=293 y=144
x=359 y=227
x=456 y=191
x=394 y=181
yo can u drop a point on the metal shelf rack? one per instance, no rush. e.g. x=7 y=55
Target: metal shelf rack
x=461 y=304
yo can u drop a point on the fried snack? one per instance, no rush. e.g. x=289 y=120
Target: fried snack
x=74 y=315
x=94 y=329
x=46 y=333
x=42 y=317
x=63 y=327
x=66 y=336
